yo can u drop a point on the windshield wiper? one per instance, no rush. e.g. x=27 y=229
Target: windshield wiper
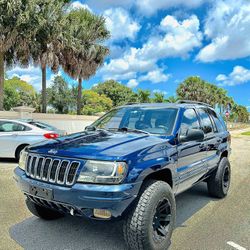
x=125 y=129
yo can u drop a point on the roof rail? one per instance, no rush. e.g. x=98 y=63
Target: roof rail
x=194 y=102
x=131 y=103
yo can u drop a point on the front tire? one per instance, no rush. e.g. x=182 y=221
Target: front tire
x=151 y=222
x=42 y=212
x=219 y=182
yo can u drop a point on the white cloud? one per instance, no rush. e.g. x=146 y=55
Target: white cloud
x=176 y=38
x=160 y=91
x=120 y=24
x=155 y=76
x=239 y=75
x=127 y=66
x=149 y=7
x=31 y=74
x=132 y=83
x=180 y=38
x=78 y=5
x=227 y=27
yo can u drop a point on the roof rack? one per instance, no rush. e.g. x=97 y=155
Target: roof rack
x=194 y=102
x=131 y=103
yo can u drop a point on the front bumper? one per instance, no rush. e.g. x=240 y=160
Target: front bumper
x=84 y=197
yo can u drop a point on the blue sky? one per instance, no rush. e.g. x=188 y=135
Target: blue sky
x=157 y=44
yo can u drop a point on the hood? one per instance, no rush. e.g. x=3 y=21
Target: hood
x=97 y=145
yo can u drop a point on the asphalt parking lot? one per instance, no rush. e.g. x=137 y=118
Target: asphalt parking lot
x=203 y=223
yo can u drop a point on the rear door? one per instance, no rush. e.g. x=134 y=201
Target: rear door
x=191 y=154
x=212 y=137
x=220 y=139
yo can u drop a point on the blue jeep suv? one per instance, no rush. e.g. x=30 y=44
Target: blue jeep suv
x=129 y=164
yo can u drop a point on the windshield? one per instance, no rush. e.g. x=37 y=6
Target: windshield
x=151 y=120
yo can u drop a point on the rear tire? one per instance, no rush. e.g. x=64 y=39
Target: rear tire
x=18 y=151
x=219 y=182
x=42 y=212
x=149 y=225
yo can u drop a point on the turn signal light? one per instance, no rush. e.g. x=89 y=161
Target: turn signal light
x=51 y=136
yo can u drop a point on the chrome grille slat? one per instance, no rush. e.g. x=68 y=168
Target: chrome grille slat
x=52 y=174
x=39 y=167
x=71 y=174
x=47 y=163
x=53 y=170
x=66 y=172
x=33 y=166
x=28 y=164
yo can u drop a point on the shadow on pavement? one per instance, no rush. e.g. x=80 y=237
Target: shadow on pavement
x=8 y=160
x=79 y=233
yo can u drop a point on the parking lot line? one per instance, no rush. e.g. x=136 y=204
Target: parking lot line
x=236 y=246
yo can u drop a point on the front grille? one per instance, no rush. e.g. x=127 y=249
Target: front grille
x=52 y=170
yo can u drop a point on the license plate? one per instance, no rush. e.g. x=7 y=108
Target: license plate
x=41 y=192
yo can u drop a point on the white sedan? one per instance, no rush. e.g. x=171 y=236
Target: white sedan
x=16 y=135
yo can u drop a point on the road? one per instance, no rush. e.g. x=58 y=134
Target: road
x=203 y=223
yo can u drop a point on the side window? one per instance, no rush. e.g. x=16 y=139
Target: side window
x=12 y=127
x=206 y=122
x=189 y=120
x=218 y=124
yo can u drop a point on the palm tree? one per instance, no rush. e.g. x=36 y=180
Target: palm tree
x=83 y=51
x=17 y=27
x=144 y=96
x=158 y=97
x=47 y=45
x=172 y=99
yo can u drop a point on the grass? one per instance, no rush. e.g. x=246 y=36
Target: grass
x=246 y=133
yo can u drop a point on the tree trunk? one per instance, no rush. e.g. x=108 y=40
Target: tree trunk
x=79 y=96
x=1 y=79
x=44 y=95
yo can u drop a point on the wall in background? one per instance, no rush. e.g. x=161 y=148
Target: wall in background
x=69 y=123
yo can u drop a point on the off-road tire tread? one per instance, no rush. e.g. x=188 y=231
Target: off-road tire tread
x=134 y=226
x=214 y=183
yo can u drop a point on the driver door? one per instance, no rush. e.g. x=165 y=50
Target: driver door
x=191 y=154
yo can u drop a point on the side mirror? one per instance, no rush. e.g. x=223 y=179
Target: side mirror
x=193 y=135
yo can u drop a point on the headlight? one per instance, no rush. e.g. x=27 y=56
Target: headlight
x=103 y=172
x=22 y=159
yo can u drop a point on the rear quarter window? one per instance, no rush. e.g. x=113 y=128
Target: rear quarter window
x=218 y=121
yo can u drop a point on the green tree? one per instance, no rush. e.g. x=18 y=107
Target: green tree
x=18 y=92
x=11 y=98
x=95 y=103
x=172 y=99
x=60 y=96
x=196 y=89
x=18 y=24
x=144 y=96
x=117 y=92
x=83 y=52
x=240 y=113
x=158 y=97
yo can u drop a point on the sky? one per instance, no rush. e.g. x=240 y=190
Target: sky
x=156 y=44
